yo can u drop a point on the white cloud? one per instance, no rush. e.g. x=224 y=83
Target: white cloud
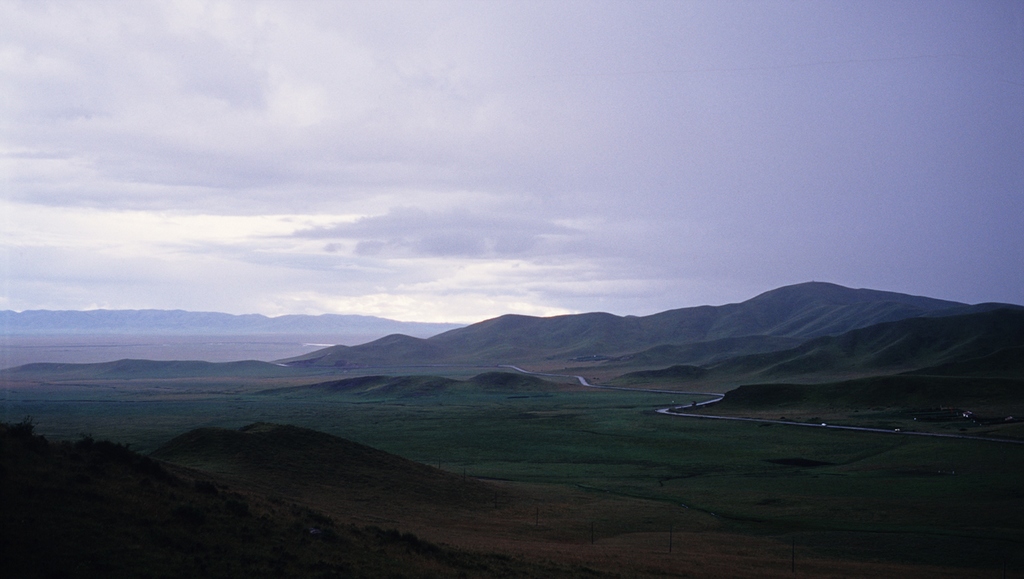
x=462 y=159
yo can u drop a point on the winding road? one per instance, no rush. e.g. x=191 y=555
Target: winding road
x=677 y=411
x=583 y=382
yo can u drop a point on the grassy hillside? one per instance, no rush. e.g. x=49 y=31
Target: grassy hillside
x=131 y=369
x=297 y=462
x=699 y=353
x=1004 y=362
x=375 y=385
x=738 y=494
x=536 y=471
x=413 y=386
x=673 y=374
x=977 y=344
x=896 y=346
x=393 y=350
x=800 y=312
x=982 y=344
x=97 y=509
x=1001 y=396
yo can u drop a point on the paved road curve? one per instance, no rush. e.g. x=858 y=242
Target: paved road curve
x=680 y=411
x=583 y=381
x=676 y=412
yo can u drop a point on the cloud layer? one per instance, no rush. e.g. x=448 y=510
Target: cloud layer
x=452 y=161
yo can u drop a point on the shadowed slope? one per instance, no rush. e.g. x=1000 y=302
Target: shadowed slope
x=95 y=509
x=300 y=462
x=393 y=350
x=892 y=347
x=982 y=344
x=799 y=312
x=883 y=391
x=131 y=369
x=704 y=353
x=1005 y=362
x=413 y=386
x=947 y=406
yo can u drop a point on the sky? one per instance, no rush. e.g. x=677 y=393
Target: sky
x=455 y=161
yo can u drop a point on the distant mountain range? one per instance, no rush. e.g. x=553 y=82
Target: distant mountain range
x=774 y=321
x=179 y=322
x=810 y=332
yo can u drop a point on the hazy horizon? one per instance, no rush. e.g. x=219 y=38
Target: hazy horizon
x=283 y=315
x=455 y=161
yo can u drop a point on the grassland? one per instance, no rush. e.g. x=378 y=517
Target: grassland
x=500 y=473
x=96 y=509
x=565 y=460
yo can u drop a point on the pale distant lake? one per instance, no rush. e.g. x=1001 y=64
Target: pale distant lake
x=80 y=349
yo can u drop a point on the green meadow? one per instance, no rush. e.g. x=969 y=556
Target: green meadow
x=852 y=495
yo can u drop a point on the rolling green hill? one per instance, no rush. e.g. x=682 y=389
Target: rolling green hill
x=703 y=353
x=989 y=344
x=414 y=386
x=798 y=312
x=297 y=461
x=800 y=330
x=1005 y=362
x=901 y=391
x=393 y=350
x=130 y=369
x=891 y=347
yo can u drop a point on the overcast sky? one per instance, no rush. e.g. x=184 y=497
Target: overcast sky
x=455 y=161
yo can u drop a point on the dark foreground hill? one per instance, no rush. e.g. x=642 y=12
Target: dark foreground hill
x=788 y=315
x=97 y=509
x=299 y=462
